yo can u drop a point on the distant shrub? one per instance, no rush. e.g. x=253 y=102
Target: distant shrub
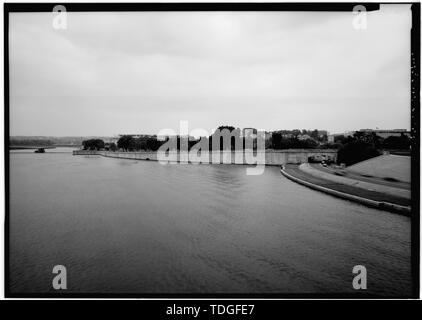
x=356 y=151
x=93 y=144
x=401 y=143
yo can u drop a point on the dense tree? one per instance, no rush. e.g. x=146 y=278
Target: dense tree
x=291 y=142
x=93 y=144
x=276 y=140
x=152 y=144
x=139 y=144
x=226 y=132
x=365 y=145
x=356 y=151
x=329 y=145
x=126 y=142
x=401 y=143
x=148 y=143
x=315 y=134
x=296 y=132
x=113 y=147
x=339 y=139
x=359 y=147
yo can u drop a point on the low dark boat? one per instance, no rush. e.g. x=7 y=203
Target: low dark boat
x=40 y=150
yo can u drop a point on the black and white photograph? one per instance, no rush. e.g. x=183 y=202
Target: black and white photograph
x=212 y=150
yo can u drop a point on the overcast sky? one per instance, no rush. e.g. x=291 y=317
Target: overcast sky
x=111 y=73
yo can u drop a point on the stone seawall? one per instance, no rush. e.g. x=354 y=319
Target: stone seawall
x=272 y=157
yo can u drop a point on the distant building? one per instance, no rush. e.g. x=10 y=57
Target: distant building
x=137 y=136
x=387 y=133
x=331 y=137
x=249 y=133
x=111 y=140
x=304 y=137
x=382 y=133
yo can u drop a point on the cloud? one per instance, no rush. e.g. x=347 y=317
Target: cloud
x=140 y=72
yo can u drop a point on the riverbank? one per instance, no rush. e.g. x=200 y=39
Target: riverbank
x=247 y=157
x=391 y=189
x=371 y=198
x=30 y=147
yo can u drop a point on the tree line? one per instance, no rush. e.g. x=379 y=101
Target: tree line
x=283 y=139
x=30 y=142
x=362 y=146
x=351 y=149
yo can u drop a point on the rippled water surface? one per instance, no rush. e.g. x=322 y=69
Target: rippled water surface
x=139 y=226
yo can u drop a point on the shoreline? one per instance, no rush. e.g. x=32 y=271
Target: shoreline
x=267 y=157
x=381 y=205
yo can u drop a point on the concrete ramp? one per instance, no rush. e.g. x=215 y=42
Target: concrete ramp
x=385 y=166
x=388 y=190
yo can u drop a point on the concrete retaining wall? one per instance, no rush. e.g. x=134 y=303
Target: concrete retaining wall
x=272 y=157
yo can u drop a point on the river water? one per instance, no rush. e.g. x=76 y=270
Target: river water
x=125 y=226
